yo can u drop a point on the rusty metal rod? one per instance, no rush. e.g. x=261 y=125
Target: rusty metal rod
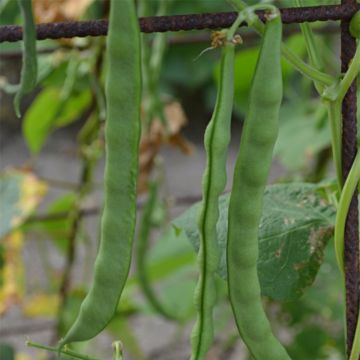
x=152 y=24
x=249 y=38
x=349 y=149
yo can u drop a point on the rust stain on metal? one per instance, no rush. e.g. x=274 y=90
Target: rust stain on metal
x=13 y=33
x=349 y=148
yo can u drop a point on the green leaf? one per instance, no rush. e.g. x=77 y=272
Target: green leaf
x=301 y=135
x=295 y=227
x=309 y=343
x=40 y=118
x=312 y=309
x=73 y=107
x=59 y=229
x=20 y=194
x=48 y=111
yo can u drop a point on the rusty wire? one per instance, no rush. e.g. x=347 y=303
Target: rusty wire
x=342 y=12
x=152 y=24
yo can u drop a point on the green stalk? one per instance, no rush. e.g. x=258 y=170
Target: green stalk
x=306 y=69
x=296 y=61
x=159 y=44
x=333 y=107
x=67 y=352
x=350 y=185
x=155 y=62
x=152 y=57
x=334 y=114
x=350 y=75
x=355 y=350
x=312 y=51
x=118 y=350
x=29 y=68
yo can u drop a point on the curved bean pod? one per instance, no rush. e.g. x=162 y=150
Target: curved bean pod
x=29 y=64
x=123 y=91
x=251 y=171
x=217 y=138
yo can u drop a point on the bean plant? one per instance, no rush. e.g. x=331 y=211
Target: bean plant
x=227 y=230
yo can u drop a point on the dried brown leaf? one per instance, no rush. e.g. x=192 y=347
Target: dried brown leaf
x=159 y=134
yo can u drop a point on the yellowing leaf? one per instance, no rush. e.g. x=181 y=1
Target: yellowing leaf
x=41 y=305
x=20 y=194
x=159 y=134
x=32 y=192
x=12 y=273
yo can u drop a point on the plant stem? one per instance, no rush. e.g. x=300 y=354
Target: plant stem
x=71 y=353
x=350 y=75
x=312 y=50
x=334 y=113
x=292 y=58
x=355 y=350
x=305 y=68
x=333 y=107
x=152 y=58
x=351 y=183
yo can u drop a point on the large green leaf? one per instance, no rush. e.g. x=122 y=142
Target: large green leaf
x=295 y=227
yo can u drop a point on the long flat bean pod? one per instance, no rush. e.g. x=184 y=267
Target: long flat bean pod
x=29 y=63
x=251 y=171
x=123 y=91
x=217 y=138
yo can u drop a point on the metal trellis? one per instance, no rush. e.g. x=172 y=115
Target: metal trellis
x=343 y=12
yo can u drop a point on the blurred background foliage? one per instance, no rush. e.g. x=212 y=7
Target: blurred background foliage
x=182 y=91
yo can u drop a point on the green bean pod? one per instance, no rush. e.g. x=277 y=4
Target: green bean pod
x=251 y=171
x=217 y=138
x=122 y=134
x=28 y=77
